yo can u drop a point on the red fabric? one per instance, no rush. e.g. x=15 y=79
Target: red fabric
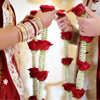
x=87 y=2
x=9 y=91
x=1 y=18
x=98 y=72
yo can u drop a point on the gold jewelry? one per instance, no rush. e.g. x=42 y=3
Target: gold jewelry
x=19 y=32
x=38 y=21
x=35 y=26
x=24 y=32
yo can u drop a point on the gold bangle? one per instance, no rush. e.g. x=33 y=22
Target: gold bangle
x=19 y=31
x=30 y=30
x=38 y=21
x=35 y=26
x=24 y=33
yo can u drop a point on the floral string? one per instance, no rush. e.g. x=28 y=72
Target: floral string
x=42 y=56
x=78 y=90
x=66 y=36
x=34 y=55
x=43 y=45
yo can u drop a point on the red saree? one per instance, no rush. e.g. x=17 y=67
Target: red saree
x=11 y=87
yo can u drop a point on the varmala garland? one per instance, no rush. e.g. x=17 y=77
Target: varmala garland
x=78 y=90
x=42 y=45
x=66 y=36
x=34 y=51
x=41 y=75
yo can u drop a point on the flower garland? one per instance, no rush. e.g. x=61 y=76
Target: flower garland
x=44 y=8
x=43 y=45
x=33 y=46
x=78 y=90
x=66 y=36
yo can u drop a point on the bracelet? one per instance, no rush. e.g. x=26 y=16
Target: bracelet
x=19 y=33
x=24 y=32
x=30 y=29
x=34 y=24
x=38 y=21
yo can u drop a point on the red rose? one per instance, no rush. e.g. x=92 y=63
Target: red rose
x=42 y=75
x=46 y=8
x=33 y=72
x=78 y=10
x=86 y=38
x=32 y=98
x=83 y=66
x=33 y=45
x=44 y=45
x=77 y=93
x=66 y=61
x=68 y=86
x=66 y=35
x=33 y=12
x=60 y=13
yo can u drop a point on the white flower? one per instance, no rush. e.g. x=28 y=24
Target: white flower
x=5 y=81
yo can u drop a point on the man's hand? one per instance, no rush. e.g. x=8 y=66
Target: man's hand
x=89 y=26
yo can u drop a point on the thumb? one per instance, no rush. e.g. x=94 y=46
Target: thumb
x=90 y=13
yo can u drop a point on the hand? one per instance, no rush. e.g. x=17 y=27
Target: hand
x=89 y=26
x=63 y=22
x=46 y=17
x=27 y=18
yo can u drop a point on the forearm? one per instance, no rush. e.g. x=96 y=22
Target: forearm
x=8 y=37
x=20 y=33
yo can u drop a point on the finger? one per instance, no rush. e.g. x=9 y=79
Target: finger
x=80 y=24
x=63 y=23
x=61 y=19
x=52 y=12
x=30 y=16
x=90 y=13
x=82 y=20
x=82 y=33
x=56 y=17
x=63 y=27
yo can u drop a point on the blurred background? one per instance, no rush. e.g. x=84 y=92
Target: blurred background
x=53 y=86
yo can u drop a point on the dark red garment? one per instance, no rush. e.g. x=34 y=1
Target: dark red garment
x=1 y=17
x=9 y=91
x=98 y=72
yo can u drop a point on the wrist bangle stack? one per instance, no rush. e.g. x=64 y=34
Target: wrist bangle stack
x=39 y=22
x=30 y=29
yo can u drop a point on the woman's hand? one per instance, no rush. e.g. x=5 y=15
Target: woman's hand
x=63 y=22
x=27 y=18
x=46 y=17
x=89 y=26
